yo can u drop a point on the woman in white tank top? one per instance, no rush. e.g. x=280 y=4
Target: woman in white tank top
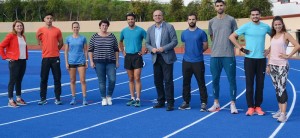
x=278 y=65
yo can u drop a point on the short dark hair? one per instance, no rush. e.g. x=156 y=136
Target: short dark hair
x=75 y=23
x=47 y=14
x=220 y=1
x=255 y=9
x=193 y=14
x=104 y=21
x=130 y=14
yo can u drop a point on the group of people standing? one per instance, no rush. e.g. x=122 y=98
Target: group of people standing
x=161 y=39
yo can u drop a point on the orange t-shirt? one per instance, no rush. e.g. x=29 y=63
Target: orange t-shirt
x=49 y=38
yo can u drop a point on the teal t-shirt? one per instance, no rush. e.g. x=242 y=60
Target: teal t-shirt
x=76 y=49
x=133 y=39
x=255 y=35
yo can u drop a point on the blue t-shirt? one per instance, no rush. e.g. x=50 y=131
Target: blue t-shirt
x=255 y=35
x=76 y=49
x=133 y=39
x=193 y=41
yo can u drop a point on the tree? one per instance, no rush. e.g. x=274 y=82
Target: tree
x=206 y=10
x=176 y=10
x=192 y=7
x=264 y=5
x=234 y=8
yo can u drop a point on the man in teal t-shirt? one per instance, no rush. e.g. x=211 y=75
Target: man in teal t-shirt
x=133 y=36
x=255 y=61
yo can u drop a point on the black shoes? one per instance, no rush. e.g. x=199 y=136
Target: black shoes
x=159 y=105
x=170 y=108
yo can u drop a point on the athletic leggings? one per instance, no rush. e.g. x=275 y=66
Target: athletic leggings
x=279 y=78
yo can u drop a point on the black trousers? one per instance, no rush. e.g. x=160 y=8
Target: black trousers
x=188 y=70
x=52 y=63
x=16 y=73
x=254 y=69
x=163 y=80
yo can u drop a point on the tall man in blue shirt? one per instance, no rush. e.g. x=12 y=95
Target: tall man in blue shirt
x=255 y=61
x=195 y=43
x=133 y=36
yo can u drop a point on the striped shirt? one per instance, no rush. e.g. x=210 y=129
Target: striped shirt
x=104 y=48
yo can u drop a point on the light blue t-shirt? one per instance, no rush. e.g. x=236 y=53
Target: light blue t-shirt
x=193 y=41
x=133 y=39
x=255 y=35
x=76 y=52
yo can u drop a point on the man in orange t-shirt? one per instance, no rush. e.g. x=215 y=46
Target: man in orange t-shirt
x=51 y=41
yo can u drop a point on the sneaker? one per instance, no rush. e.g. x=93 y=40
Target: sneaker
x=21 y=102
x=259 y=111
x=214 y=108
x=109 y=100
x=233 y=109
x=12 y=103
x=137 y=103
x=184 y=106
x=130 y=102
x=104 y=102
x=277 y=114
x=42 y=102
x=73 y=101
x=250 y=111
x=58 y=102
x=84 y=102
x=282 y=118
x=203 y=107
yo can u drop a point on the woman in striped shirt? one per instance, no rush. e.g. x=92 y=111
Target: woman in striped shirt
x=104 y=57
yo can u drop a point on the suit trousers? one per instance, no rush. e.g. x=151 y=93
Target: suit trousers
x=16 y=72
x=163 y=80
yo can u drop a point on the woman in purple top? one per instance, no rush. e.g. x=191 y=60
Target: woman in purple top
x=278 y=65
x=76 y=58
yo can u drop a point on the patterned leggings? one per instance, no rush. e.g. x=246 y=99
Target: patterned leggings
x=279 y=78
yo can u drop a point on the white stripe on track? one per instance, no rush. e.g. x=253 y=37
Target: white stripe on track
x=201 y=119
x=33 y=117
x=294 y=69
x=52 y=86
x=115 y=119
x=289 y=113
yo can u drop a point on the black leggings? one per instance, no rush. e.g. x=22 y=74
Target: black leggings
x=16 y=72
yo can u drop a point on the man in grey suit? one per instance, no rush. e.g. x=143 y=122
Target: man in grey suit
x=161 y=41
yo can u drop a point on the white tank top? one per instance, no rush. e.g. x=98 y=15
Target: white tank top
x=278 y=46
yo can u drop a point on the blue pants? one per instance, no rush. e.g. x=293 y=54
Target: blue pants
x=103 y=70
x=229 y=65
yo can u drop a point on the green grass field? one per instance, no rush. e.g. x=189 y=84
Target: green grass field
x=31 y=40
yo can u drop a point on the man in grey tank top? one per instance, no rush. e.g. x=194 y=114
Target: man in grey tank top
x=222 y=55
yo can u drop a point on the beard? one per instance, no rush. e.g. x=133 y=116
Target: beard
x=255 y=20
x=220 y=11
x=192 y=25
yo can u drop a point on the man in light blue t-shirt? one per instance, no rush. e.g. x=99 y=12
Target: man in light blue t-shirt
x=255 y=61
x=195 y=43
x=132 y=50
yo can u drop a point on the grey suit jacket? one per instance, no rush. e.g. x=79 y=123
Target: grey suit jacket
x=168 y=42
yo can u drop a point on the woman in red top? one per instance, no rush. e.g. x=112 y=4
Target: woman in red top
x=13 y=49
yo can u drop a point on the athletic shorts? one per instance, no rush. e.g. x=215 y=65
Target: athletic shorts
x=133 y=61
x=76 y=65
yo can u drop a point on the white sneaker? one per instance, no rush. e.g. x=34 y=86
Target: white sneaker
x=109 y=102
x=233 y=109
x=277 y=114
x=214 y=108
x=282 y=118
x=104 y=102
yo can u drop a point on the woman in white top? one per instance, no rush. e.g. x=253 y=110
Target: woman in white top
x=278 y=65
x=13 y=49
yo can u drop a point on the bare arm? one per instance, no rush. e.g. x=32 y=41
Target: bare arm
x=121 y=48
x=233 y=38
x=294 y=42
x=85 y=49
x=205 y=46
x=60 y=43
x=91 y=59
x=66 y=55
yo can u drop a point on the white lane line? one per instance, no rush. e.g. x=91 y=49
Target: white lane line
x=33 y=117
x=201 y=119
x=81 y=92
x=115 y=119
x=52 y=86
x=294 y=69
x=289 y=113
